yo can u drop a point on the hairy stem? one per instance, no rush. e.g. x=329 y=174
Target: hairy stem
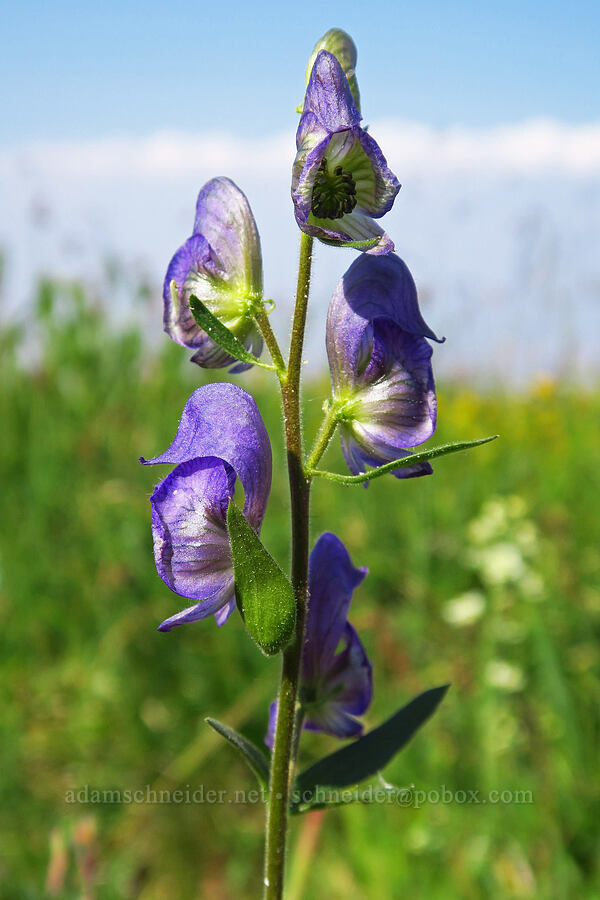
x=326 y=432
x=262 y=320
x=284 y=747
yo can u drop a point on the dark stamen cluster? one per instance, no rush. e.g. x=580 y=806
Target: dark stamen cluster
x=333 y=194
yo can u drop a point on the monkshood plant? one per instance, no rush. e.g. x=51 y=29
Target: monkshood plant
x=383 y=403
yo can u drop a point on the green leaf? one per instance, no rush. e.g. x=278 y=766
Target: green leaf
x=411 y=460
x=365 y=757
x=221 y=335
x=250 y=752
x=264 y=594
x=349 y=795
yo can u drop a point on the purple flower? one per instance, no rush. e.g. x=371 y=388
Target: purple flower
x=221 y=435
x=340 y=179
x=380 y=363
x=337 y=682
x=221 y=264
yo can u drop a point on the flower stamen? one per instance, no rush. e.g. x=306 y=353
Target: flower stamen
x=334 y=194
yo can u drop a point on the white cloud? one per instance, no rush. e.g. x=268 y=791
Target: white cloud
x=498 y=226
x=160 y=155
x=526 y=148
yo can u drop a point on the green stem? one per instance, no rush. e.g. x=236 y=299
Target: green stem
x=282 y=761
x=326 y=432
x=298 y=724
x=262 y=320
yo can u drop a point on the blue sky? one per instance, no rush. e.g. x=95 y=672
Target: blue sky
x=84 y=70
x=114 y=115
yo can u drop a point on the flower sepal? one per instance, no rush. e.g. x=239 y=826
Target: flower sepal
x=341 y=45
x=336 y=674
x=221 y=438
x=380 y=363
x=221 y=265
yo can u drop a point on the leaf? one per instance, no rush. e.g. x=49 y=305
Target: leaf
x=348 y=796
x=263 y=592
x=221 y=335
x=411 y=460
x=250 y=752
x=366 y=756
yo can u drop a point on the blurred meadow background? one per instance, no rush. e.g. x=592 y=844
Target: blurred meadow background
x=485 y=575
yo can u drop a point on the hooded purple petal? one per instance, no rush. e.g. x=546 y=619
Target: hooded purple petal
x=337 y=682
x=191 y=545
x=332 y=719
x=220 y=435
x=355 y=230
x=221 y=264
x=378 y=199
x=223 y=420
x=347 y=688
x=210 y=356
x=331 y=580
x=380 y=365
x=328 y=95
x=372 y=287
x=353 y=673
x=343 y=48
x=357 y=458
x=222 y=614
x=312 y=142
x=340 y=179
x=270 y=735
x=224 y=218
x=396 y=406
x=221 y=605
x=193 y=264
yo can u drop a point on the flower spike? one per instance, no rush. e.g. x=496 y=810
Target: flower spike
x=340 y=179
x=221 y=264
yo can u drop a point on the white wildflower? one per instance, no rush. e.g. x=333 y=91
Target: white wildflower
x=504 y=676
x=465 y=609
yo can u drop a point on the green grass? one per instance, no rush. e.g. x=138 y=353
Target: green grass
x=93 y=694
